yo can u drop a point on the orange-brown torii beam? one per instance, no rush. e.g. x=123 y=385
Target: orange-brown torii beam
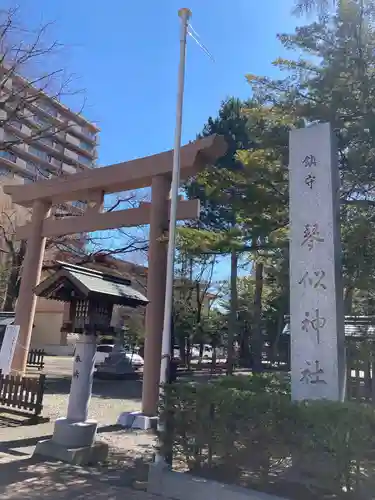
x=187 y=209
x=124 y=176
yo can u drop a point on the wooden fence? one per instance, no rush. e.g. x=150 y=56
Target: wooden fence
x=360 y=369
x=35 y=358
x=20 y=395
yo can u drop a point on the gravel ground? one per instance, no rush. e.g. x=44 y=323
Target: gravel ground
x=130 y=451
x=109 y=397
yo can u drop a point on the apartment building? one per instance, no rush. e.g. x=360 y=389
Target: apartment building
x=39 y=138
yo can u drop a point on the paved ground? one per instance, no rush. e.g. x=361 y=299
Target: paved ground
x=123 y=476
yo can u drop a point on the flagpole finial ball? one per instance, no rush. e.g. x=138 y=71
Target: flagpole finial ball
x=184 y=13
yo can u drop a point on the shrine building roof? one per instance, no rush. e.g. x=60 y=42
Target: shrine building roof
x=70 y=282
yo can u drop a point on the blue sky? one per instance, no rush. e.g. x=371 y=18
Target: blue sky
x=126 y=55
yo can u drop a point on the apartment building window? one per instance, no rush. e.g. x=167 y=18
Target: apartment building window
x=41 y=121
x=47 y=107
x=39 y=153
x=48 y=142
x=4 y=171
x=89 y=133
x=86 y=146
x=8 y=137
x=56 y=163
x=15 y=124
x=31 y=167
x=43 y=174
x=19 y=89
x=84 y=160
x=9 y=156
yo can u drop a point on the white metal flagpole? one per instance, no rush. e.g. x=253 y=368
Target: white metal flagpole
x=184 y=15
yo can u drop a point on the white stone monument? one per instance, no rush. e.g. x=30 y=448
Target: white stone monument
x=316 y=293
x=73 y=437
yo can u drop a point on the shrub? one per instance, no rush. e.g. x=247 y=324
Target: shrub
x=246 y=430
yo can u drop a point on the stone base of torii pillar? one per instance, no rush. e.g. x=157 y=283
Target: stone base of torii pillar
x=74 y=437
x=137 y=420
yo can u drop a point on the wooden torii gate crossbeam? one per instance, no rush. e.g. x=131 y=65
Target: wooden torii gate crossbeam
x=91 y=186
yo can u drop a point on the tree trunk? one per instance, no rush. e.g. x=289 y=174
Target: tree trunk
x=188 y=353
x=277 y=350
x=233 y=310
x=14 y=279
x=182 y=349
x=348 y=299
x=213 y=359
x=244 y=354
x=257 y=343
x=201 y=349
x=12 y=290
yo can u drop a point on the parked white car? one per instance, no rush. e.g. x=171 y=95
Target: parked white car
x=104 y=350
x=207 y=351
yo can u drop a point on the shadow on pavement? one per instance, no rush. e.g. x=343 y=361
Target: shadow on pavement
x=8 y=420
x=5 y=446
x=34 y=479
x=31 y=479
x=108 y=389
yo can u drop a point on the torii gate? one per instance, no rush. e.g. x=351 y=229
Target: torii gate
x=91 y=186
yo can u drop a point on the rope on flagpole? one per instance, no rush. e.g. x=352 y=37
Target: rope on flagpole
x=197 y=39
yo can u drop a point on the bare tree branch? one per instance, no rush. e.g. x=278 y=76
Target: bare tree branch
x=28 y=82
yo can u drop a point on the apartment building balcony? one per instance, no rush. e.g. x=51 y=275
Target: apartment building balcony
x=79 y=125
x=37 y=166
x=83 y=132
x=69 y=169
x=59 y=127
x=16 y=130
x=45 y=152
x=86 y=133
x=11 y=164
x=61 y=137
x=56 y=141
x=14 y=167
x=81 y=147
x=68 y=145
x=49 y=144
x=51 y=108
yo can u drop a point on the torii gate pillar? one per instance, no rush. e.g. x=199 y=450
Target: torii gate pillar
x=157 y=267
x=31 y=271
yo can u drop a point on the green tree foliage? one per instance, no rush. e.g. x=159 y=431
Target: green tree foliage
x=245 y=195
x=322 y=7
x=244 y=198
x=222 y=191
x=216 y=187
x=331 y=80
x=193 y=296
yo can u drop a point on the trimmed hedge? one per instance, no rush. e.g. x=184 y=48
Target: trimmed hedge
x=245 y=430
